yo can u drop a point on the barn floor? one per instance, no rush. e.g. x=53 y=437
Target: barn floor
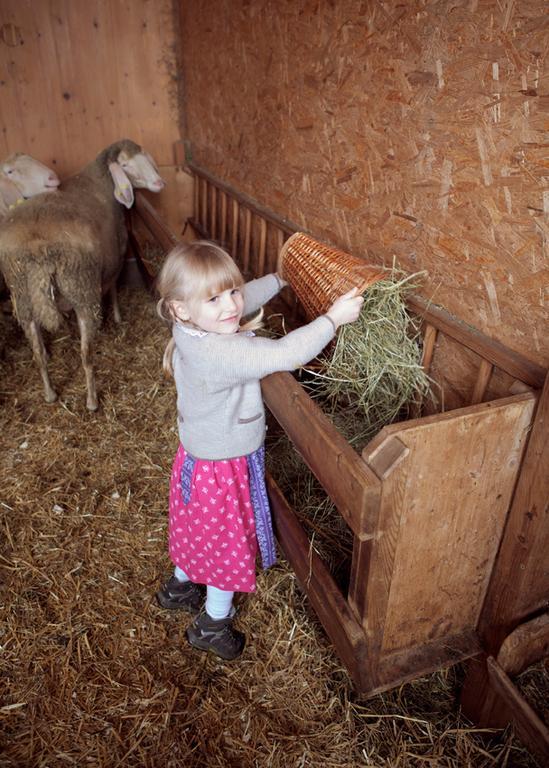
x=92 y=671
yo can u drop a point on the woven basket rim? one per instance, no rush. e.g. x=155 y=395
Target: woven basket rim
x=375 y=272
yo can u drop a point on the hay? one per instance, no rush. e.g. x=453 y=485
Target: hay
x=93 y=673
x=373 y=374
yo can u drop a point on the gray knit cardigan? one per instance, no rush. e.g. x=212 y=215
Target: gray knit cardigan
x=219 y=404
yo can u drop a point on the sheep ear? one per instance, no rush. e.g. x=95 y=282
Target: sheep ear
x=123 y=190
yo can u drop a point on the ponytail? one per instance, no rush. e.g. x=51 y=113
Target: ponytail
x=167 y=359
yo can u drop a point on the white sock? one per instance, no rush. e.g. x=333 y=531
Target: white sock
x=218 y=603
x=180 y=574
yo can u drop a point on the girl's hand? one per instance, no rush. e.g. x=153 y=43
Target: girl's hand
x=346 y=309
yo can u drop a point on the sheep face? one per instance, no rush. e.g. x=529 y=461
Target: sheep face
x=141 y=170
x=29 y=175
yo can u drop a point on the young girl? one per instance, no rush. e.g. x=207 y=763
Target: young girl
x=219 y=511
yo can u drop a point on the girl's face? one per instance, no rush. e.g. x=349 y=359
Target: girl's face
x=217 y=314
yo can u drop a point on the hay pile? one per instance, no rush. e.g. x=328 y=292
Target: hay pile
x=373 y=374
x=93 y=673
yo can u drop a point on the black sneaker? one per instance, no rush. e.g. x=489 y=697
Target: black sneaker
x=181 y=595
x=216 y=635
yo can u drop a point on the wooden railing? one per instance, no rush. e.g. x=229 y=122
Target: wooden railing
x=254 y=237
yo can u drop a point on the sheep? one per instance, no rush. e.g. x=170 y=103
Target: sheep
x=21 y=176
x=62 y=252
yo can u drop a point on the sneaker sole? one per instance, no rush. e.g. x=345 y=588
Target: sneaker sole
x=204 y=645
x=164 y=602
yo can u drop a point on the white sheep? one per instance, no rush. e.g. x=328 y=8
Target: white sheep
x=64 y=251
x=21 y=177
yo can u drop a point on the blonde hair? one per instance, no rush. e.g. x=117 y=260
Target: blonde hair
x=192 y=272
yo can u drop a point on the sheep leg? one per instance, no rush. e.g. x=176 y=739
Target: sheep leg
x=34 y=335
x=114 y=301
x=87 y=326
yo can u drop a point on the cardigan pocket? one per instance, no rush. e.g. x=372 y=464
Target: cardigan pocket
x=252 y=418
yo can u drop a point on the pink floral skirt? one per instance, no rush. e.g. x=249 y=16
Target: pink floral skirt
x=213 y=537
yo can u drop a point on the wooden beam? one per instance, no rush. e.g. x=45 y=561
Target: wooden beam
x=351 y=485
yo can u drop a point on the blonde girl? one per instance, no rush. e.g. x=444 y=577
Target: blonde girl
x=219 y=511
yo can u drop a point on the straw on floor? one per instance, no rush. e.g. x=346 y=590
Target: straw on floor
x=92 y=672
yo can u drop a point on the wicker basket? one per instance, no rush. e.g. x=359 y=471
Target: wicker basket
x=319 y=273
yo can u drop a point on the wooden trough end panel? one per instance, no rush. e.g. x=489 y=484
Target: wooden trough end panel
x=447 y=481
x=329 y=604
x=351 y=485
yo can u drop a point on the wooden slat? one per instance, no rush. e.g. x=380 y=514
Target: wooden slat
x=196 y=212
x=280 y=240
x=513 y=363
x=262 y=247
x=326 y=599
x=350 y=484
x=234 y=229
x=223 y=232
x=526 y=645
x=247 y=240
x=203 y=220
x=213 y=212
x=482 y=380
x=429 y=341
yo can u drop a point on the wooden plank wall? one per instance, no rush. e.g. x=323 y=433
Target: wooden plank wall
x=76 y=75
x=416 y=130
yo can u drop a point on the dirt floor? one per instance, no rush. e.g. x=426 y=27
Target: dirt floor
x=92 y=671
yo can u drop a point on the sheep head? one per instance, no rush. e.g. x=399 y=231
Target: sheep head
x=130 y=166
x=29 y=175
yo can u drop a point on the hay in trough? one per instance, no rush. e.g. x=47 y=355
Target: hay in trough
x=93 y=672
x=373 y=373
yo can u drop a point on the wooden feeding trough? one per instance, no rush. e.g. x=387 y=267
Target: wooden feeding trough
x=429 y=502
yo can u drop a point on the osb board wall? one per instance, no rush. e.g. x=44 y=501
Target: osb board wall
x=415 y=130
x=76 y=75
